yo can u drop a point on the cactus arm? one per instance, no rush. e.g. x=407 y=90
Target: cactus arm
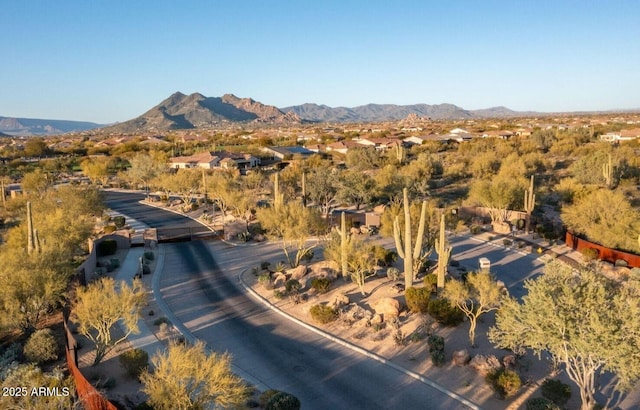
x=397 y=238
x=417 y=250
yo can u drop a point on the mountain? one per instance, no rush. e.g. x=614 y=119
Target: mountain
x=32 y=126
x=181 y=111
x=392 y=112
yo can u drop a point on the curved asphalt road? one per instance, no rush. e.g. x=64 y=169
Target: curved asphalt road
x=273 y=350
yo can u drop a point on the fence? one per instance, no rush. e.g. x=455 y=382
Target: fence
x=604 y=253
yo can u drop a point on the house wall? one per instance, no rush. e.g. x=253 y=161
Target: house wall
x=604 y=253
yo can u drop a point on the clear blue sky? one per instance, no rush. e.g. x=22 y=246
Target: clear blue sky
x=107 y=61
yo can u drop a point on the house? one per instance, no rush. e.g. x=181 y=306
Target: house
x=342 y=147
x=283 y=153
x=624 y=135
x=420 y=139
x=215 y=160
x=380 y=144
x=503 y=134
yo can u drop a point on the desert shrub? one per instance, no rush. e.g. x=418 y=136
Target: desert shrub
x=278 y=294
x=393 y=274
x=454 y=263
x=283 y=401
x=507 y=242
x=418 y=299
x=135 y=361
x=556 y=391
x=323 y=313
x=321 y=285
x=382 y=256
x=41 y=347
x=109 y=229
x=475 y=229
x=540 y=403
x=9 y=359
x=442 y=311
x=431 y=282
x=621 y=262
x=265 y=280
x=119 y=221
x=148 y=255
x=505 y=382
x=436 y=349
x=266 y=396
x=264 y=265
x=292 y=285
x=589 y=254
x=107 y=247
x=280 y=267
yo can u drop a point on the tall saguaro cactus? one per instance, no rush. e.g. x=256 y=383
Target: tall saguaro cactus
x=529 y=204
x=278 y=198
x=444 y=253
x=344 y=245
x=31 y=242
x=304 y=189
x=607 y=172
x=404 y=247
x=400 y=153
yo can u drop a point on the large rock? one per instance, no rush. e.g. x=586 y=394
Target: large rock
x=387 y=307
x=298 y=272
x=279 y=279
x=485 y=364
x=339 y=301
x=461 y=357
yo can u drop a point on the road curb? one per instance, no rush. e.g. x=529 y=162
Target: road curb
x=355 y=348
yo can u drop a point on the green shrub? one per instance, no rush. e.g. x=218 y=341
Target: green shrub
x=292 y=286
x=283 y=401
x=266 y=396
x=135 y=361
x=589 y=254
x=265 y=280
x=264 y=265
x=505 y=382
x=323 y=314
x=556 y=391
x=119 y=221
x=114 y=263
x=437 y=357
x=393 y=274
x=41 y=347
x=107 y=247
x=540 y=403
x=442 y=311
x=148 y=255
x=507 y=242
x=431 y=282
x=436 y=349
x=383 y=256
x=418 y=299
x=475 y=229
x=322 y=285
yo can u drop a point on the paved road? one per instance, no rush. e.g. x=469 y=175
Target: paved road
x=208 y=299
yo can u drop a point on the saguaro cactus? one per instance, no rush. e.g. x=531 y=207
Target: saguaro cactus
x=607 y=172
x=444 y=253
x=344 y=245
x=404 y=248
x=529 y=204
x=400 y=153
x=278 y=198
x=304 y=189
x=31 y=243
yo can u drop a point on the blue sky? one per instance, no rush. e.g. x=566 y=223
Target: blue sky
x=107 y=61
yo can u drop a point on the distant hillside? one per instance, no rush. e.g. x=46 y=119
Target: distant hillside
x=32 y=126
x=392 y=112
x=181 y=111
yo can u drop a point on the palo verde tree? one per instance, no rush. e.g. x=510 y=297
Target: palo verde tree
x=479 y=294
x=101 y=305
x=144 y=167
x=500 y=195
x=187 y=377
x=587 y=322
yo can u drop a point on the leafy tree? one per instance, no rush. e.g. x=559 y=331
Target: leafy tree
x=101 y=305
x=147 y=166
x=389 y=182
x=35 y=147
x=293 y=224
x=187 y=378
x=478 y=295
x=322 y=188
x=362 y=159
x=500 y=194
x=588 y=168
x=360 y=262
x=186 y=183
x=36 y=183
x=605 y=217
x=96 y=169
x=355 y=188
x=485 y=165
x=588 y=323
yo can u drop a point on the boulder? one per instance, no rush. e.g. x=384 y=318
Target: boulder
x=485 y=364
x=376 y=320
x=510 y=361
x=461 y=357
x=298 y=272
x=387 y=307
x=339 y=301
x=355 y=231
x=279 y=279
